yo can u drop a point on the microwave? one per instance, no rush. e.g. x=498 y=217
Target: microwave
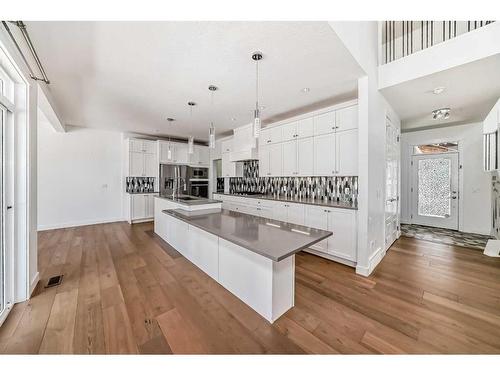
x=196 y=173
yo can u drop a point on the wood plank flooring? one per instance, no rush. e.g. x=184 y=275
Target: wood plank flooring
x=127 y=291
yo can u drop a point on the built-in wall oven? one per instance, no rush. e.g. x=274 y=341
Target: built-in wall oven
x=198 y=182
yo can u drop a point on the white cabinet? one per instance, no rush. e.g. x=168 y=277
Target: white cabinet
x=151 y=165
x=200 y=156
x=324 y=123
x=271 y=160
x=264 y=167
x=290 y=158
x=346 y=118
x=229 y=168
x=203 y=251
x=305 y=156
x=178 y=153
x=324 y=155
x=346 y=149
x=296 y=213
x=143 y=165
x=298 y=129
x=271 y=135
x=289 y=131
x=276 y=159
x=216 y=153
x=141 y=207
x=342 y=223
x=227 y=145
x=317 y=217
x=142 y=158
x=136 y=164
x=305 y=128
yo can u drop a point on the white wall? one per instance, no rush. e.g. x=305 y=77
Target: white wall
x=475 y=197
x=79 y=176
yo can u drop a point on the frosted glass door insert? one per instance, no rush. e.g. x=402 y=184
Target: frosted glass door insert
x=435 y=190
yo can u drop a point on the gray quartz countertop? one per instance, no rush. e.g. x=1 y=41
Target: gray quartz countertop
x=272 y=239
x=311 y=201
x=189 y=200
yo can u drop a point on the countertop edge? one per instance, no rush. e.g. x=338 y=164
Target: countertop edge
x=218 y=234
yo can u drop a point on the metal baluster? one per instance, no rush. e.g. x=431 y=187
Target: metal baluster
x=449 y=29
x=411 y=36
x=454 y=28
x=432 y=33
x=394 y=40
x=468 y=26
x=403 y=37
x=421 y=35
x=385 y=41
x=444 y=32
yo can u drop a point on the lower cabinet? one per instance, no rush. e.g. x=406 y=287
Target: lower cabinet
x=342 y=222
x=140 y=207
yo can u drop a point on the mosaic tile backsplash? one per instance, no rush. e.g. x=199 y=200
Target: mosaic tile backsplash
x=339 y=188
x=140 y=184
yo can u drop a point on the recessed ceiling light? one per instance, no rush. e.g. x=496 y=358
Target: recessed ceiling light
x=441 y=113
x=438 y=90
x=305 y=90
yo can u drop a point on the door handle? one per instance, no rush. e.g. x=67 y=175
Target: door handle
x=9 y=207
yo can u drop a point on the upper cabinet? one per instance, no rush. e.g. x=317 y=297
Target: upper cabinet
x=324 y=123
x=346 y=118
x=244 y=145
x=325 y=144
x=227 y=145
x=492 y=121
x=142 y=145
x=178 y=152
x=270 y=135
x=142 y=158
x=200 y=156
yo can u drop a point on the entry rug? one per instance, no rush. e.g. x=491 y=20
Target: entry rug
x=445 y=236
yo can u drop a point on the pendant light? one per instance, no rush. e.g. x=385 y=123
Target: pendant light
x=169 y=150
x=191 y=138
x=256 y=56
x=211 y=129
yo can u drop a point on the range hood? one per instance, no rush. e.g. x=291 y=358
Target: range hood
x=244 y=145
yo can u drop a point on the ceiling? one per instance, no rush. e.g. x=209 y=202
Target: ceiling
x=131 y=76
x=471 y=90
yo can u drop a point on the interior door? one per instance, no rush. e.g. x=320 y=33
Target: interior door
x=435 y=190
x=392 y=157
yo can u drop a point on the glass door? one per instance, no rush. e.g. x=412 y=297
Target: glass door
x=435 y=190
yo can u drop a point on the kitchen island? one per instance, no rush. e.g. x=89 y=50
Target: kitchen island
x=251 y=256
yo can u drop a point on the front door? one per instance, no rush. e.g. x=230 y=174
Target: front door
x=435 y=190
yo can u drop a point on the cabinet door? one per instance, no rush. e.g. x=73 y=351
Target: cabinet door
x=305 y=157
x=296 y=214
x=151 y=167
x=149 y=147
x=276 y=159
x=227 y=145
x=317 y=217
x=289 y=158
x=281 y=212
x=138 y=208
x=203 y=155
x=150 y=206
x=163 y=154
x=343 y=241
x=289 y=131
x=180 y=153
x=324 y=123
x=136 y=164
x=346 y=118
x=347 y=152
x=264 y=170
x=305 y=128
x=136 y=145
x=228 y=167
x=324 y=155
x=265 y=137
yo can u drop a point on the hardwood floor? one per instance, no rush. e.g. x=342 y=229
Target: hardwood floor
x=126 y=291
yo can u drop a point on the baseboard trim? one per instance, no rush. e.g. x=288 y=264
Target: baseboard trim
x=78 y=224
x=373 y=262
x=33 y=283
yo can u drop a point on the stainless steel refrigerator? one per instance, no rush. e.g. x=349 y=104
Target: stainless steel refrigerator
x=173 y=179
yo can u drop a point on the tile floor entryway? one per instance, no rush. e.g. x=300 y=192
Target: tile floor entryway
x=445 y=236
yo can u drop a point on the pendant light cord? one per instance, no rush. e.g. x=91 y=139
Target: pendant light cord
x=257 y=84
